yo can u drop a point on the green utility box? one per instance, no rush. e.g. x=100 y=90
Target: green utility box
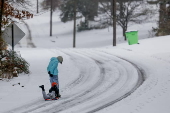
x=132 y=37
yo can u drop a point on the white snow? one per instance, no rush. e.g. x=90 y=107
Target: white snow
x=95 y=76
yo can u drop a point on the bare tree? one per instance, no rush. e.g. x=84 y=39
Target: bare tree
x=21 y=3
x=128 y=11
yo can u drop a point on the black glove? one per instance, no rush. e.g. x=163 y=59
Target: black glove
x=51 y=75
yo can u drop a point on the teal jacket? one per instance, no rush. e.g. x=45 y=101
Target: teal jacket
x=53 y=65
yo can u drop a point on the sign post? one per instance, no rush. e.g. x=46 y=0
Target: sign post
x=12 y=34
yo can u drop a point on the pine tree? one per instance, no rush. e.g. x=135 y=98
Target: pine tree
x=67 y=10
x=87 y=8
x=84 y=8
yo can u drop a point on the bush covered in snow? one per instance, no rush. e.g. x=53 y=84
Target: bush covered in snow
x=12 y=64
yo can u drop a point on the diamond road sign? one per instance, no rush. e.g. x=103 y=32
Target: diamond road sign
x=13 y=34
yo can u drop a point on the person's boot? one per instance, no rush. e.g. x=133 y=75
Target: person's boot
x=59 y=94
x=42 y=87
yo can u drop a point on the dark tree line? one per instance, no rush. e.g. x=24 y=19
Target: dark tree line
x=127 y=11
x=86 y=8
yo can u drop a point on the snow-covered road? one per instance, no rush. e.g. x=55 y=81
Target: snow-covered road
x=101 y=79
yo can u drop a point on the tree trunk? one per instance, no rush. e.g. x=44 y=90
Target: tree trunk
x=161 y=14
x=114 y=22
x=1 y=14
x=37 y=7
x=51 y=16
x=74 y=32
x=112 y=7
x=121 y=9
x=124 y=31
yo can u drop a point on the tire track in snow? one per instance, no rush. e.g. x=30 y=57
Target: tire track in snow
x=106 y=105
x=39 y=105
x=80 y=97
x=88 y=94
x=72 y=102
x=141 y=79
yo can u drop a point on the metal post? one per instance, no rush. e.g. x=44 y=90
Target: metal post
x=12 y=37
x=114 y=22
x=74 y=32
x=37 y=7
x=51 y=17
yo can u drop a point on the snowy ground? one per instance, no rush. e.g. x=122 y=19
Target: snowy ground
x=104 y=79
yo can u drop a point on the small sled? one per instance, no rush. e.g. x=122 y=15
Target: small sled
x=52 y=99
